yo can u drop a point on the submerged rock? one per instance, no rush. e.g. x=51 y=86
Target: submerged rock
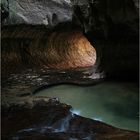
x=54 y=120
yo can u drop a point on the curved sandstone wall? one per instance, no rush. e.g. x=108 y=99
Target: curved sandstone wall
x=33 y=46
x=69 y=50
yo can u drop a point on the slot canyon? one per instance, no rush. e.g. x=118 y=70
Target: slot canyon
x=70 y=70
x=58 y=50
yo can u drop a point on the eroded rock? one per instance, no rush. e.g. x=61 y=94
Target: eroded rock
x=34 y=46
x=54 y=120
x=76 y=49
x=111 y=27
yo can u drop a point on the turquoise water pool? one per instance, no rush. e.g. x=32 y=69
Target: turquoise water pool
x=115 y=103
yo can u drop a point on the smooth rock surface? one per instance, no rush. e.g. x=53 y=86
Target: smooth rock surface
x=69 y=50
x=34 y=46
x=48 y=12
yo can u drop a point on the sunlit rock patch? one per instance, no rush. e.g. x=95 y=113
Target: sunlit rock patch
x=69 y=50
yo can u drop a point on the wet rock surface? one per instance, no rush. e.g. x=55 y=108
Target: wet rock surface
x=25 y=82
x=30 y=62
x=40 y=119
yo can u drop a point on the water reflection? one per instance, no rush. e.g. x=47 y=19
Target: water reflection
x=28 y=81
x=115 y=103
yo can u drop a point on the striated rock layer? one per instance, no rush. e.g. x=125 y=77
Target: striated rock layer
x=33 y=46
x=69 y=49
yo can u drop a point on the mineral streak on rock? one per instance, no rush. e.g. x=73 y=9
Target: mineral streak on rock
x=33 y=46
